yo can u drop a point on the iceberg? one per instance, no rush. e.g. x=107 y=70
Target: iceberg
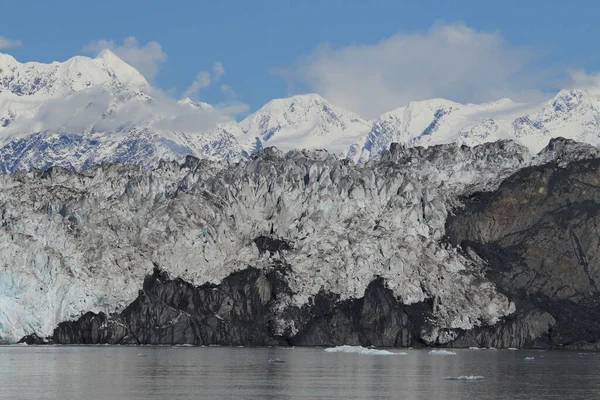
x=464 y=378
x=276 y=361
x=529 y=358
x=362 y=350
x=442 y=353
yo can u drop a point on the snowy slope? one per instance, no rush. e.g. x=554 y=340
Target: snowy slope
x=303 y=122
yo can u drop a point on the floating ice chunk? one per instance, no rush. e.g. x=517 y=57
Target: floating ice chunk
x=529 y=358
x=142 y=355
x=276 y=361
x=464 y=378
x=442 y=353
x=362 y=350
x=476 y=348
x=512 y=348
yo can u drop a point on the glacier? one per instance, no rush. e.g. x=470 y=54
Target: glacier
x=73 y=242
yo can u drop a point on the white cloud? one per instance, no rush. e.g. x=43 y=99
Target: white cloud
x=146 y=59
x=580 y=79
x=218 y=71
x=228 y=91
x=6 y=43
x=449 y=60
x=93 y=109
x=204 y=79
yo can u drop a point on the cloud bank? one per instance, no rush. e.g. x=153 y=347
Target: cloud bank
x=449 y=60
x=93 y=110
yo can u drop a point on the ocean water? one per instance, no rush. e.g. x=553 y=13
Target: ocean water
x=142 y=372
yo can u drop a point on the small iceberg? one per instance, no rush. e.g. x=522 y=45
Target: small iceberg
x=442 y=353
x=276 y=361
x=529 y=358
x=362 y=350
x=142 y=355
x=464 y=378
x=476 y=348
x=512 y=348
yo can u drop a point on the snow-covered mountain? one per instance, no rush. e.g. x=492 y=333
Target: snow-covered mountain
x=87 y=111
x=311 y=122
x=574 y=114
x=305 y=122
x=62 y=79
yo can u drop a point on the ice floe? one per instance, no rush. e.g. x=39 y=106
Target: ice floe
x=464 y=378
x=362 y=350
x=442 y=353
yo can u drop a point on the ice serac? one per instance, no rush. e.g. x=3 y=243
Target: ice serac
x=76 y=242
x=446 y=245
x=312 y=262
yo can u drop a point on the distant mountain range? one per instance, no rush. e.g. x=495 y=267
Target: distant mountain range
x=86 y=111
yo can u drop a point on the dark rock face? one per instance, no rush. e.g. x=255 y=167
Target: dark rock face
x=377 y=319
x=265 y=243
x=539 y=233
x=34 y=339
x=236 y=312
x=239 y=311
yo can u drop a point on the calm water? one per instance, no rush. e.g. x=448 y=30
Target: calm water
x=104 y=372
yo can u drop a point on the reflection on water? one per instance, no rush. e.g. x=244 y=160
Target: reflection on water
x=107 y=372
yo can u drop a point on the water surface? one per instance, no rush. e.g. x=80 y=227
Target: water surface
x=117 y=372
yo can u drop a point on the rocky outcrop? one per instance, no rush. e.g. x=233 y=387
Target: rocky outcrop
x=172 y=311
x=242 y=310
x=539 y=237
x=376 y=319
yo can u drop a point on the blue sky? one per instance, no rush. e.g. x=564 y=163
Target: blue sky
x=274 y=48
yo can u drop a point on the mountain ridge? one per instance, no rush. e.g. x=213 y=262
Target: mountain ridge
x=111 y=113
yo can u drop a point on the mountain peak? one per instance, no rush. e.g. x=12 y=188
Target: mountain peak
x=109 y=56
x=6 y=60
x=305 y=121
x=196 y=104
x=295 y=103
x=58 y=79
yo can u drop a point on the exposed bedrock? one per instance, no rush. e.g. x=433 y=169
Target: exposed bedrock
x=242 y=310
x=539 y=235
